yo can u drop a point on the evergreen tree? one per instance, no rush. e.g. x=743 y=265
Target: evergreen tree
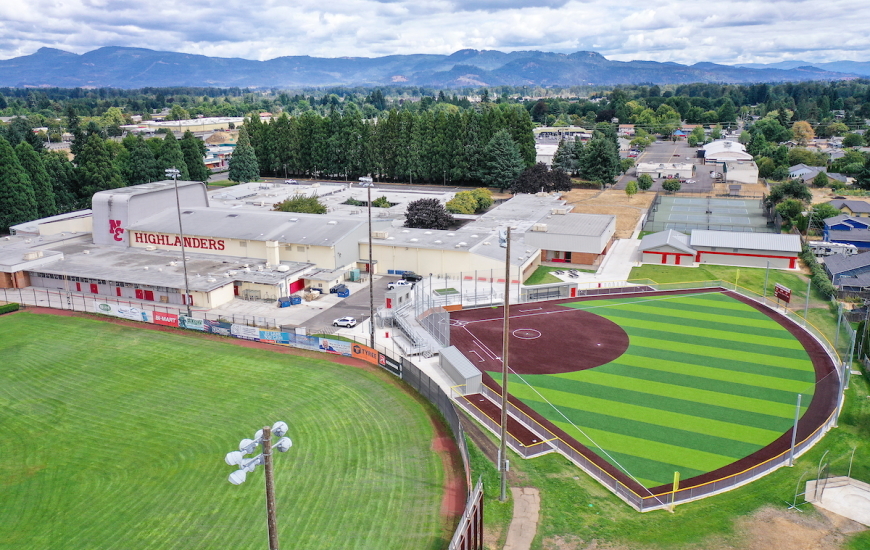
x=194 y=150
x=600 y=161
x=427 y=214
x=172 y=157
x=17 y=199
x=503 y=162
x=62 y=175
x=96 y=169
x=140 y=166
x=243 y=163
x=32 y=163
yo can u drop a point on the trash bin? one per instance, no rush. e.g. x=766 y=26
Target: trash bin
x=284 y=301
x=343 y=293
x=295 y=300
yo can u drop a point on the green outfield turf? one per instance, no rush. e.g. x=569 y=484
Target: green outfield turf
x=114 y=438
x=706 y=380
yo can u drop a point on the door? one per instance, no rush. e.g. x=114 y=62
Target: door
x=117 y=291
x=149 y=295
x=296 y=286
x=95 y=289
x=140 y=294
x=235 y=290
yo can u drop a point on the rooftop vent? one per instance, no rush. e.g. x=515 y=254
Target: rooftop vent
x=438 y=241
x=232 y=215
x=427 y=232
x=86 y=251
x=188 y=212
x=332 y=222
x=414 y=240
x=283 y=268
x=150 y=247
x=379 y=234
x=542 y=227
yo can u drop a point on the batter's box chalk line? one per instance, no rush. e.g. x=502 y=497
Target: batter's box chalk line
x=457 y=323
x=526 y=333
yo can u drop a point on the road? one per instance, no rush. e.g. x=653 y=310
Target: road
x=356 y=305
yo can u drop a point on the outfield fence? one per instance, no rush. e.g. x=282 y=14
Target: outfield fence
x=468 y=535
x=839 y=345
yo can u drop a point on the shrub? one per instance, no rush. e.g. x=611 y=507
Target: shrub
x=9 y=308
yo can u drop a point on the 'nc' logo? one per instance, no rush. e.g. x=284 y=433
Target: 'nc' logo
x=116 y=230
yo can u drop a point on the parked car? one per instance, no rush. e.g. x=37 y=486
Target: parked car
x=411 y=276
x=346 y=322
x=291 y=182
x=338 y=288
x=399 y=283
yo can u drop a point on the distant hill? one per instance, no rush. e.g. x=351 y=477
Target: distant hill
x=119 y=67
x=861 y=68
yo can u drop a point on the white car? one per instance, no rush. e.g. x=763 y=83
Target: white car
x=399 y=283
x=690 y=181
x=346 y=322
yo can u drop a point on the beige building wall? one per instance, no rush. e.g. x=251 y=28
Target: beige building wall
x=84 y=224
x=220 y=296
x=424 y=261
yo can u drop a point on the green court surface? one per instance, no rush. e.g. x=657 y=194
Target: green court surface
x=706 y=380
x=114 y=438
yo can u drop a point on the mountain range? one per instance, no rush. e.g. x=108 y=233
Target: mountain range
x=121 y=67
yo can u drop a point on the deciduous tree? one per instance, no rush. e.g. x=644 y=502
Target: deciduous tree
x=299 y=203
x=644 y=182
x=802 y=131
x=672 y=185
x=427 y=214
x=631 y=189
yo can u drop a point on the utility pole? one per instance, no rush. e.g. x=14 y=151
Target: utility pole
x=270 y=488
x=502 y=454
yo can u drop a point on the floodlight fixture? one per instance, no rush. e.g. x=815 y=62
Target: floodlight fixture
x=234 y=458
x=284 y=444
x=279 y=428
x=238 y=477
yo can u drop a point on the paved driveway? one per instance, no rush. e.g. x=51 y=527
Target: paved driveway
x=667 y=152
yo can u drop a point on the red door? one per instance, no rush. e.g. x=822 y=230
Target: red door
x=149 y=295
x=235 y=290
x=78 y=287
x=296 y=286
x=95 y=289
x=664 y=261
x=678 y=259
x=117 y=291
x=140 y=295
x=573 y=292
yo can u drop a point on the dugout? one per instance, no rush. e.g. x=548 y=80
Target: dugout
x=550 y=291
x=460 y=371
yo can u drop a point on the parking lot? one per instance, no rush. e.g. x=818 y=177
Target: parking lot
x=669 y=152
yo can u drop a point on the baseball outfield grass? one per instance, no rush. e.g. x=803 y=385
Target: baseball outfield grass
x=706 y=380
x=114 y=437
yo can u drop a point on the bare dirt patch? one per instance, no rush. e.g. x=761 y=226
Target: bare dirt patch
x=745 y=189
x=628 y=211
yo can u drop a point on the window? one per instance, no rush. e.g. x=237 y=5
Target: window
x=288 y=247
x=243 y=243
x=300 y=249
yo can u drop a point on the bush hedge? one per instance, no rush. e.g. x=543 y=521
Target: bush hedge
x=818 y=275
x=8 y=308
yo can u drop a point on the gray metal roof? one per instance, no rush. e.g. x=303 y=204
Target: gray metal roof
x=853 y=235
x=854 y=205
x=837 y=219
x=521 y=212
x=670 y=237
x=432 y=238
x=146 y=188
x=233 y=223
x=838 y=263
x=206 y=272
x=748 y=241
x=861 y=281
x=586 y=225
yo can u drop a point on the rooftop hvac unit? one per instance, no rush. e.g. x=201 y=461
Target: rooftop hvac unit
x=379 y=234
x=32 y=255
x=542 y=227
x=283 y=268
x=560 y=211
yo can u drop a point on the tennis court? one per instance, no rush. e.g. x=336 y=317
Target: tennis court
x=687 y=213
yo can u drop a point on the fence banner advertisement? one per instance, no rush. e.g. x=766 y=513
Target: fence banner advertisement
x=365 y=353
x=274 y=337
x=245 y=332
x=307 y=342
x=218 y=327
x=190 y=323
x=339 y=347
x=124 y=312
x=390 y=364
x=166 y=319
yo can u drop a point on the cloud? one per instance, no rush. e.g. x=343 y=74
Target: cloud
x=683 y=31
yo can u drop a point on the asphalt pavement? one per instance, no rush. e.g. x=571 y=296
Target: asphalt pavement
x=667 y=152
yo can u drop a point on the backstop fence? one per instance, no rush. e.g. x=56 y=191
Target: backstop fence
x=839 y=344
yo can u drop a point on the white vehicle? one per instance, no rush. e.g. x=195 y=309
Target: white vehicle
x=291 y=182
x=346 y=322
x=822 y=249
x=399 y=283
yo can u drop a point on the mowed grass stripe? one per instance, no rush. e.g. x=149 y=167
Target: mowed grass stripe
x=722 y=341
x=640 y=447
x=806 y=376
x=682 y=306
x=750 y=319
x=773 y=336
x=737 y=424
x=671 y=387
x=688 y=384
x=721 y=373
x=656 y=425
x=786 y=359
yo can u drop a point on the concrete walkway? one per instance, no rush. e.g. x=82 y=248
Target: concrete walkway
x=524 y=525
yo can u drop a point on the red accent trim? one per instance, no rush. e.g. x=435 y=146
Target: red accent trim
x=678 y=259
x=664 y=258
x=748 y=255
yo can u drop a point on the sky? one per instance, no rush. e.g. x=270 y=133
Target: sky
x=682 y=31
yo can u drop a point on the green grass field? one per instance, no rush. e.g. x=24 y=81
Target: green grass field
x=114 y=438
x=706 y=380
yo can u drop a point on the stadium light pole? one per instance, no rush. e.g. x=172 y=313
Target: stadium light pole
x=504 y=240
x=247 y=446
x=368 y=181
x=173 y=173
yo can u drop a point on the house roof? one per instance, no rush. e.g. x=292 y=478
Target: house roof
x=839 y=264
x=670 y=237
x=746 y=240
x=861 y=280
x=854 y=235
x=585 y=225
x=853 y=205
